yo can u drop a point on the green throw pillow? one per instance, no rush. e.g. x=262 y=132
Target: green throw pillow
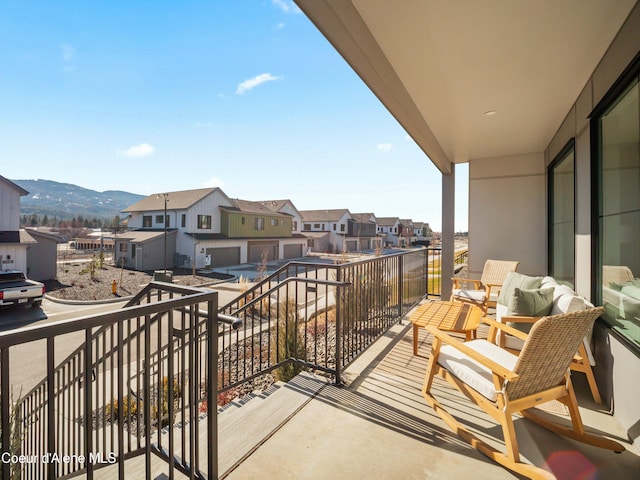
x=529 y=303
x=513 y=280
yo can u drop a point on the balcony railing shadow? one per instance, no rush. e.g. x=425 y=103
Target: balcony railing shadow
x=379 y=426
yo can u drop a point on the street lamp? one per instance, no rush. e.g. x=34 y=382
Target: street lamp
x=166 y=199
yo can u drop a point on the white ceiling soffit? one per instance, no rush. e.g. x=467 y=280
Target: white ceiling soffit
x=439 y=66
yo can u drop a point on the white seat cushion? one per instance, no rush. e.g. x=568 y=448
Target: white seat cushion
x=475 y=295
x=471 y=372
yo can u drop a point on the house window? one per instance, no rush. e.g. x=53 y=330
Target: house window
x=242 y=220
x=158 y=218
x=310 y=243
x=334 y=226
x=306 y=227
x=123 y=247
x=259 y=223
x=316 y=226
x=562 y=233
x=618 y=172
x=133 y=250
x=146 y=221
x=274 y=222
x=204 y=222
x=294 y=225
x=184 y=220
x=342 y=227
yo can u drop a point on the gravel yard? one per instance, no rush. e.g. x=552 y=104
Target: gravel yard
x=75 y=282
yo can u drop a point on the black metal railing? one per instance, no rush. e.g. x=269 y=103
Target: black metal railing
x=320 y=316
x=141 y=378
x=136 y=370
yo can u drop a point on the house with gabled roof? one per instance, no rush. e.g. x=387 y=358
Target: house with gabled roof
x=388 y=230
x=204 y=228
x=286 y=206
x=13 y=241
x=362 y=232
x=406 y=234
x=326 y=229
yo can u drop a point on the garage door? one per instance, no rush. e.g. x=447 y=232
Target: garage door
x=292 y=251
x=256 y=249
x=224 y=256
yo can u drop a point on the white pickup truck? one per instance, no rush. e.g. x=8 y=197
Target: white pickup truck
x=15 y=289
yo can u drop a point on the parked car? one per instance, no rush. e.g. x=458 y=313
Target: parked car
x=16 y=289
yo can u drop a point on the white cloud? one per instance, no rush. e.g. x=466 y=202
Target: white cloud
x=213 y=182
x=68 y=52
x=280 y=26
x=384 y=147
x=254 y=82
x=287 y=6
x=142 y=150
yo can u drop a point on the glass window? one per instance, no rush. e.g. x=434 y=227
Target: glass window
x=274 y=222
x=259 y=223
x=158 y=218
x=204 y=222
x=306 y=227
x=619 y=214
x=562 y=216
x=146 y=221
x=184 y=220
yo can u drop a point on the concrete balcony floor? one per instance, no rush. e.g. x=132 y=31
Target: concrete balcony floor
x=379 y=426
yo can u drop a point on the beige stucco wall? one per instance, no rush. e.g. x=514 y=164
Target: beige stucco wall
x=507 y=212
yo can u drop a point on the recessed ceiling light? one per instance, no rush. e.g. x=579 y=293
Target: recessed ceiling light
x=489 y=113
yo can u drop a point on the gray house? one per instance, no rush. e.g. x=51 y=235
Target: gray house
x=145 y=249
x=42 y=256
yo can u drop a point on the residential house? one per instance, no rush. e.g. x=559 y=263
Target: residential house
x=388 y=230
x=286 y=206
x=13 y=241
x=326 y=229
x=362 y=232
x=204 y=228
x=406 y=235
x=268 y=233
x=542 y=101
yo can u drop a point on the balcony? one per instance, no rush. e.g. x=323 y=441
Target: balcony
x=155 y=366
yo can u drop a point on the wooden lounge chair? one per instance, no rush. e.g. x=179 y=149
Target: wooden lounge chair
x=485 y=291
x=502 y=384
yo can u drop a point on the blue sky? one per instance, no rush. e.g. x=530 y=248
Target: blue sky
x=153 y=96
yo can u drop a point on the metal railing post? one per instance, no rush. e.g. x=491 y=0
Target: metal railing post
x=338 y=326
x=400 y=284
x=212 y=388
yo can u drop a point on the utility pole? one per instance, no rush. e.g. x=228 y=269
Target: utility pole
x=166 y=199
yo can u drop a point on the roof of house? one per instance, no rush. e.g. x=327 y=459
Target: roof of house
x=386 y=221
x=175 y=200
x=323 y=215
x=363 y=217
x=276 y=205
x=249 y=206
x=15 y=236
x=141 y=236
x=46 y=235
x=22 y=191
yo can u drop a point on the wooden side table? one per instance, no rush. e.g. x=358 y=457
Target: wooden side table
x=451 y=316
